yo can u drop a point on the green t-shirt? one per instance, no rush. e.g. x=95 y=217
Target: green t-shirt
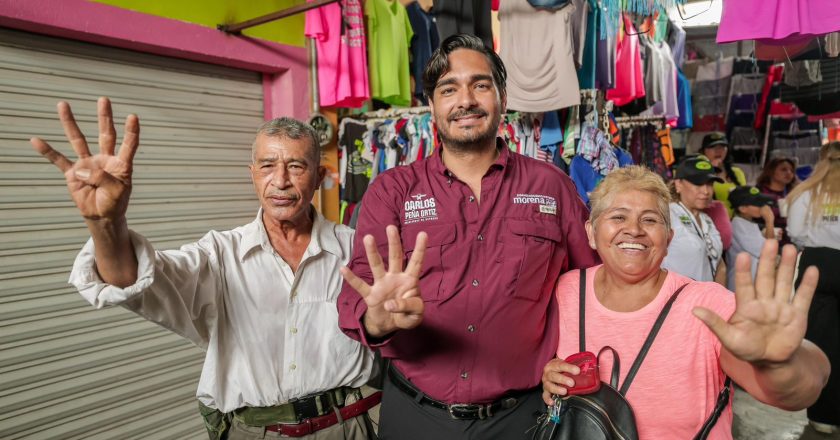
x=389 y=37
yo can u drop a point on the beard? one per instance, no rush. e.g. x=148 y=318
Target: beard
x=473 y=140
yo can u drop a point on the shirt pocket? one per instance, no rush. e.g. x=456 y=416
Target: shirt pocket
x=431 y=275
x=526 y=253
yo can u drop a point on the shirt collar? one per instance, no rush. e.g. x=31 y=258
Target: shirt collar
x=322 y=238
x=501 y=162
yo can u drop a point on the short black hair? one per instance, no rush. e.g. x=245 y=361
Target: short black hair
x=438 y=65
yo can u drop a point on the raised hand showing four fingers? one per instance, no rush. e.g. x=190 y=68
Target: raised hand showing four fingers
x=393 y=300
x=100 y=184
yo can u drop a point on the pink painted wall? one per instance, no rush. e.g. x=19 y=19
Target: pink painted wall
x=284 y=68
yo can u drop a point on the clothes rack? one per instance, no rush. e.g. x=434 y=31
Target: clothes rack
x=636 y=121
x=392 y=112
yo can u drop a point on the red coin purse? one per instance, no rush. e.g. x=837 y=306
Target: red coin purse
x=589 y=380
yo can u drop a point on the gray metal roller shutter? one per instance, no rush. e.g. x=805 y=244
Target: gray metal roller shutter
x=69 y=371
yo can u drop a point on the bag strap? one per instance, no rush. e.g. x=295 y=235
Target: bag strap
x=616 y=367
x=582 y=311
x=649 y=341
x=720 y=405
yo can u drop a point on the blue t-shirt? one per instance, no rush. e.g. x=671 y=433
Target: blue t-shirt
x=586 y=178
x=684 y=101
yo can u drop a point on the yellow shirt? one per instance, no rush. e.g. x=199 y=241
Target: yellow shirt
x=722 y=189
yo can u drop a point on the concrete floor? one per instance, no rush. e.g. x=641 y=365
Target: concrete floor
x=756 y=421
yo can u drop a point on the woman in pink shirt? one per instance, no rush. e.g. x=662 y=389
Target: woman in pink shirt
x=755 y=337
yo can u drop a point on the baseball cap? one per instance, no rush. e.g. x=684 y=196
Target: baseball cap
x=712 y=139
x=749 y=196
x=697 y=170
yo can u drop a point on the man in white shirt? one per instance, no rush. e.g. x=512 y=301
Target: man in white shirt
x=259 y=299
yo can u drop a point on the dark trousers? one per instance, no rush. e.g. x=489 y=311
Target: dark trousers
x=824 y=327
x=401 y=418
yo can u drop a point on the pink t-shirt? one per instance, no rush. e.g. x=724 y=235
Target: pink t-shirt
x=342 y=53
x=629 y=83
x=677 y=384
x=720 y=216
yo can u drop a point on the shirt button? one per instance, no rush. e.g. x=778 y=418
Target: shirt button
x=464 y=375
x=480 y=237
x=475 y=283
x=292 y=367
x=293 y=330
x=470 y=328
x=472 y=199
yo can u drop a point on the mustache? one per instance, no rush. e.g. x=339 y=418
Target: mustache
x=284 y=195
x=470 y=112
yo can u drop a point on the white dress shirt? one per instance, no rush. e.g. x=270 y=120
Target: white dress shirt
x=688 y=253
x=825 y=232
x=270 y=334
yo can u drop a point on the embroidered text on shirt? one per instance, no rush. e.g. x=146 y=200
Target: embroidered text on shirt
x=420 y=209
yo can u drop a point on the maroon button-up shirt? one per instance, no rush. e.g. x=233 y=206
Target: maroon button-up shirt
x=490 y=324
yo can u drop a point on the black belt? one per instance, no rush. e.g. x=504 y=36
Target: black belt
x=297 y=409
x=458 y=411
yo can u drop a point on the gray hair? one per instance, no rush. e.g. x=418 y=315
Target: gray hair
x=288 y=128
x=634 y=177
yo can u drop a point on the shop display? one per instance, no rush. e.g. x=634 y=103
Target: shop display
x=339 y=33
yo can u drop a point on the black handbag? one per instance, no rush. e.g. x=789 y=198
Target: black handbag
x=606 y=414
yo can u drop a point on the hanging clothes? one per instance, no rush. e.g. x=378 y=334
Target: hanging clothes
x=389 y=37
x=660 y=80
x=339 y=33
x=684 y=102
x=588 y=61
x=676 y=39
x=424 y=42
x=464 y=17
x=645 y=148
x=539 y=49
x=358 y=167
x=817 y=89
x=629 y=77
x=782 y=21
x=596 y=158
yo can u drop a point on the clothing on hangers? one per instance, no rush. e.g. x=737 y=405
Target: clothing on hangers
x=339 y=33
x=538 y=72
x=390 y=34
x=780 y=21
x=425 y=41
x=629 y=79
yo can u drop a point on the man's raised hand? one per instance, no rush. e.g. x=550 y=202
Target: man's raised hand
x=393 y=300
x=100 y=184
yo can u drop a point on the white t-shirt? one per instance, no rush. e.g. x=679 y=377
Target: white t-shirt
x=689 y=253
x=539 y=48
x=825 y=232
x=746 y=237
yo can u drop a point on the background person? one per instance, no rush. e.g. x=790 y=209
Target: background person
x=696 y=250
x=777 y=179
x=755 y=337
x=814 y=226
x=715 y=147
x=259 y=299
x=751 y=227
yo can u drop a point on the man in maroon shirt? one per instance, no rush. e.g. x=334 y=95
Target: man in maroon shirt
x=470 y=323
